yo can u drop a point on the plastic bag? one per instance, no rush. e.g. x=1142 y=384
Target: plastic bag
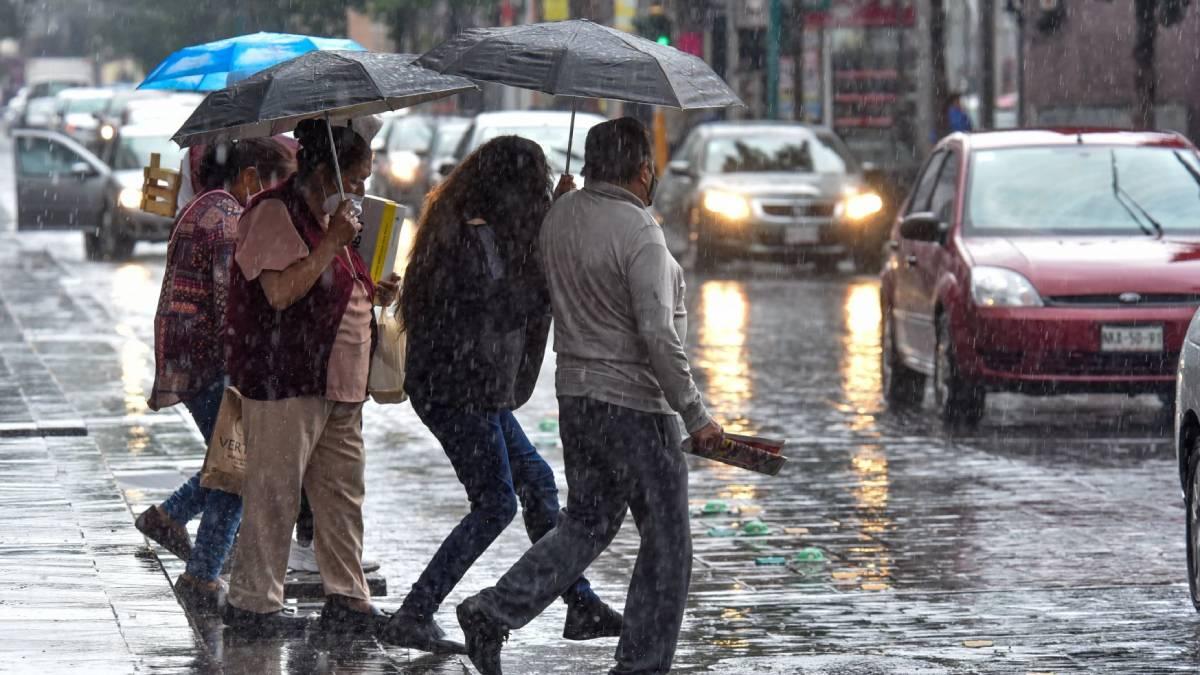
x=386 y=380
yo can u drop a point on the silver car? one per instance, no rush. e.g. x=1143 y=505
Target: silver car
x=772 y=190
x=1187 y=447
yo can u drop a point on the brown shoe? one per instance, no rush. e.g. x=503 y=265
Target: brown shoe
x=158 y=526
x=198 y=596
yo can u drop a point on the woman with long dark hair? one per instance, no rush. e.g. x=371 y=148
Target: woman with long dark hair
x=477 y=315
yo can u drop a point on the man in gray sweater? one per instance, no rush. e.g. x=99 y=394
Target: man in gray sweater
x=623 y=375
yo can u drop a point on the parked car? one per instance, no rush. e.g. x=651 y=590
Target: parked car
x=63 y=185
x=40 y=113
x=115 y=112
x=14 y=110
x=548 y=128
x=414 y=147
x=768 y=190
x=1187 y=448
x=77 y=110
x=1042 y=262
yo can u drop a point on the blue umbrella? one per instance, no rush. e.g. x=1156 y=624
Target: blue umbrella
x=215 y=65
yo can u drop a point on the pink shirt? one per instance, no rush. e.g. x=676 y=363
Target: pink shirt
x=267 y=240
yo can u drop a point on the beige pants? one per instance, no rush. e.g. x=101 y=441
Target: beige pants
x=314 y=443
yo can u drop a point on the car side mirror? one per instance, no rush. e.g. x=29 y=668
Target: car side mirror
x=82 y=170
x=681 y=168
x=923 y=226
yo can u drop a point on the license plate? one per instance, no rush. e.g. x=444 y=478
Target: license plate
x=1131 y=338
x=800 y=235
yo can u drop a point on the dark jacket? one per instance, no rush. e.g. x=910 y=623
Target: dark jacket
x=480 y=344
x=274 y=355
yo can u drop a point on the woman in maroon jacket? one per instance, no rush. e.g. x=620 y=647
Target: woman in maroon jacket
x=300 y=331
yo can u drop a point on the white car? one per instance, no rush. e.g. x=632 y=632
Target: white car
x=1187 y=447
x=550 y=129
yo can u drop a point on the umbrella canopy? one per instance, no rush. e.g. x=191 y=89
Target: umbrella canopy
x=215 y=65
x=582 y=59
x=335 y=85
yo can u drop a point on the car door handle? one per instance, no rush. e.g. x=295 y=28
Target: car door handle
x=911 y=261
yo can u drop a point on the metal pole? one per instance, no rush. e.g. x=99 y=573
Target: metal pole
x=337 y=170
x=732 y=52
x=925 y=78
x=1021 y=116
x=987 y=44
x=571 y=134
x=774 y=29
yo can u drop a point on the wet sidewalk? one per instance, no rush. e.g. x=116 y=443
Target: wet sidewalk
x=79 y=590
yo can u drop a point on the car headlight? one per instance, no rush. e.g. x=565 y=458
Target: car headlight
x=107 y=132
x=403 y=166
x=726 y=204
x=130 y=198
x=999 y=287
x=859 y=206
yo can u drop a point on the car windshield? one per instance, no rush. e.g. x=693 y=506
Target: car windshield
x=552 y=137
x=86 y=105
x=776 y=152
x=448 y=135
x=1083 y=189
x=410 y=133
x=134 y=152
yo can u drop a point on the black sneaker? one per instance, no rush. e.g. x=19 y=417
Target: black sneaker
x=591 y=620
x=284 y=623
x=338 y=618
x=158 y=526
x=199 y=597
x=484 y=637
x=419 y=632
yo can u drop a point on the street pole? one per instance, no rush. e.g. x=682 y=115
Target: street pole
x=774 y=30
x=797 y=48
x=732 y=55
x=987 y=43
x=1021 y=117
x=925 y=112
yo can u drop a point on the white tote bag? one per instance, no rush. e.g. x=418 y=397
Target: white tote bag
x=386 y=380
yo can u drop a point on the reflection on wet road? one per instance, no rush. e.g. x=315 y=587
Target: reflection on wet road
x=1048 y=540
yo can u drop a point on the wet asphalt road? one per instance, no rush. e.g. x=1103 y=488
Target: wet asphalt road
x=1049 y=540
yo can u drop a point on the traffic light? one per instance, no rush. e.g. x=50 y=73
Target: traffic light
x=656 y=26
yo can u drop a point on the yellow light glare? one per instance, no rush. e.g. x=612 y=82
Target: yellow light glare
x=403 y=166
x=862 y=205
x=727 y=204
x=131 y=198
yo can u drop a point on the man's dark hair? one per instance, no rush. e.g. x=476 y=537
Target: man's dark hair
x=615 y=151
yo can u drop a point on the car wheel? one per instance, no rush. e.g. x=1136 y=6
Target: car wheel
x=113 y=245
x=1193 y=522
x=91 y=245
x=903 y=387
x=959 y=401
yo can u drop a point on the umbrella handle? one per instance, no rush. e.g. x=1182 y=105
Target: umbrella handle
x=337 y=170
x=571 y=134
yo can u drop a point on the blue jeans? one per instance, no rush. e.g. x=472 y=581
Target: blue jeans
x=498 y=466
x=222 y=510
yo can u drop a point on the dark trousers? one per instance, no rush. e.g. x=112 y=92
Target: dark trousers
x=498 y=466
x=615 y=458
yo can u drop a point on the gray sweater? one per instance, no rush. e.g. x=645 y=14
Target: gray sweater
x=618 y=303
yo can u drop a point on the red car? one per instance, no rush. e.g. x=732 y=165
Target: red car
x=1042 y=262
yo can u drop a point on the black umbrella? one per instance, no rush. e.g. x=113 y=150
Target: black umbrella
x=334 y=85
x=582 y=59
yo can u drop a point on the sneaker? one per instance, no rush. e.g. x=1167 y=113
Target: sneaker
x=253 y=625
x=484 y=637
x=591 y=620
x=302 y=558
x=338 y=618
x=198 y=596
x=159 y=528
x=419 y=632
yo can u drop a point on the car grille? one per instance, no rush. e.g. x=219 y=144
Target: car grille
x=1082 y=363
x=797 y=209
x=1146 y=300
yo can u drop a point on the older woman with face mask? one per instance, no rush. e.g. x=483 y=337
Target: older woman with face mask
x=300 y=332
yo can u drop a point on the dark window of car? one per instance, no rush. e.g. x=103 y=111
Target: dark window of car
x=942 y=201
x=920 y=198
x=1083 y=189
x=773 y=151
x=39 y=157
